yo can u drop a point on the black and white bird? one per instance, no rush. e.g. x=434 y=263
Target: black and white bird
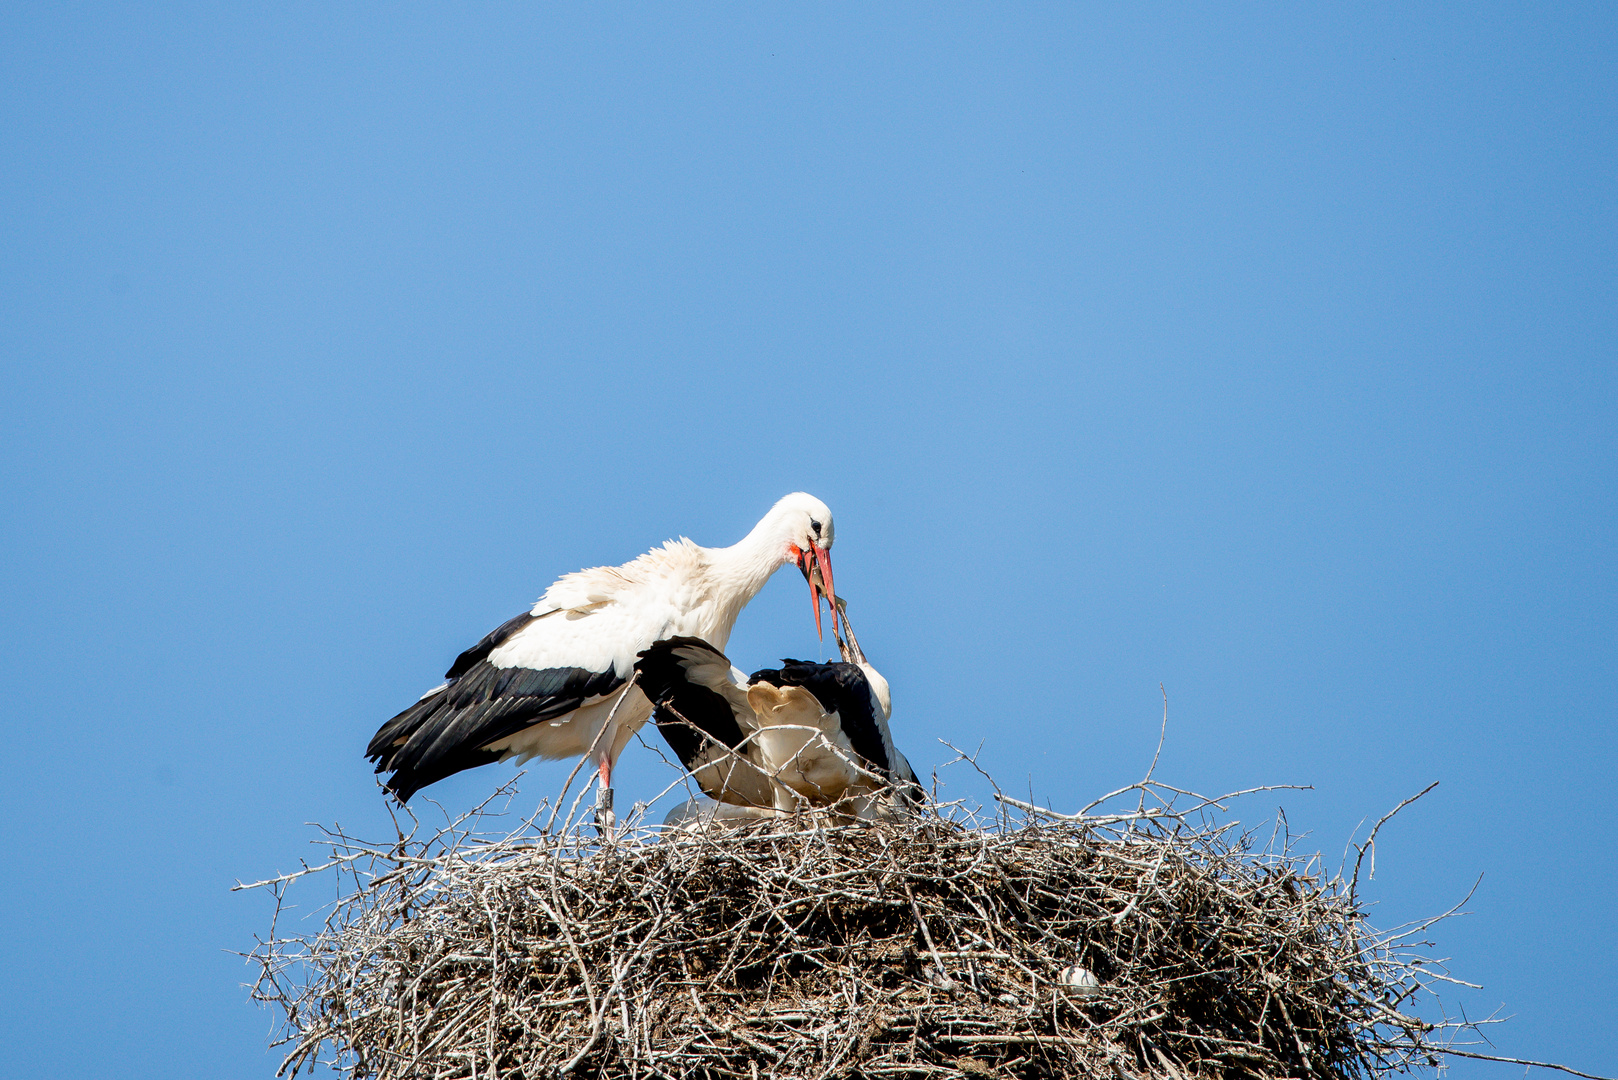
x=556 y=681
x=798 y=736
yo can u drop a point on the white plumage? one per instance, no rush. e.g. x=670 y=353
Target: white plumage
x=555 y=681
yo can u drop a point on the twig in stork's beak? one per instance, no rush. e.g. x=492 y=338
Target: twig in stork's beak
x=816 y=566
x=850 y=648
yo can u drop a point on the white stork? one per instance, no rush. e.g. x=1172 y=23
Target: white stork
x=555 y=681
x=801 y=735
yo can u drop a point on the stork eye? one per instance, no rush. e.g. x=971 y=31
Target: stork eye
x=815 y=525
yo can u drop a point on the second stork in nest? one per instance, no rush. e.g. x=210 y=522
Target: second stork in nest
x=804 y=735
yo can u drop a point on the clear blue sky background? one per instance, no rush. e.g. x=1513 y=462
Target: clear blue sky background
x=1264 y=354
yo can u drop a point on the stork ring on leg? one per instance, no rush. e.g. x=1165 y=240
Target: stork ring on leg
x=605 y=821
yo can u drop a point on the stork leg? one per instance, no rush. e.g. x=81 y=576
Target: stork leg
x=604 y=816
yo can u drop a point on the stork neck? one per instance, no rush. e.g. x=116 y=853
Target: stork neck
x=741 y=570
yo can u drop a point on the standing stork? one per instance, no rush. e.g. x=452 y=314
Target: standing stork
x=801 y=735
x=557 y=681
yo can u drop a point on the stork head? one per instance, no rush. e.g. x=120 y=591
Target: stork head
x=806 y=524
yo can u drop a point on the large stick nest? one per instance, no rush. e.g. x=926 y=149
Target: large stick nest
x=799 y=948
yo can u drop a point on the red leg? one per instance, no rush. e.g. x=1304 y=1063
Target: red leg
x=604 y=816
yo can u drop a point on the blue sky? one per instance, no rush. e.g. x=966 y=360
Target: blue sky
x=1266 y=355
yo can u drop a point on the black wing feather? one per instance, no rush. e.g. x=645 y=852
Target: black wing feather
x=491 y=641
x=448 y=731
x=663 y=679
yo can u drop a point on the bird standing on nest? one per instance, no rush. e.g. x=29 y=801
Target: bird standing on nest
x=799 y=736
x=555 y=681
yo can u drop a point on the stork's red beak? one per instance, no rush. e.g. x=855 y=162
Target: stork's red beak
x=816 y=566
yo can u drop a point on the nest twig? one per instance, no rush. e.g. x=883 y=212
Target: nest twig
x=929 y=946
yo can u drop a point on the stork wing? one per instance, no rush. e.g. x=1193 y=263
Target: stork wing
x=451 y=727
x=491 y=641
x=840 y=689
x=704 y=717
